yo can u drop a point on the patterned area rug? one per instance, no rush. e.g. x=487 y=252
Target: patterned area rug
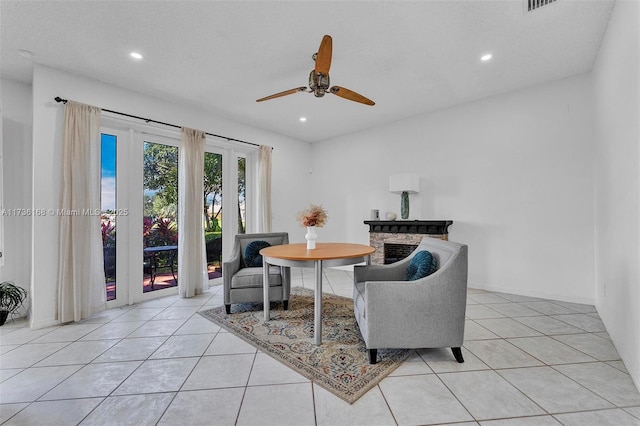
x=340 y=364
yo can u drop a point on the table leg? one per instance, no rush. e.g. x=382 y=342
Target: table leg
x=317 y=333
x=172 y=263
x=154 y=268
x=265 y=289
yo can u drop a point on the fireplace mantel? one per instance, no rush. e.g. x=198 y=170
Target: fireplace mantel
x=429 y=227
x=409 y=232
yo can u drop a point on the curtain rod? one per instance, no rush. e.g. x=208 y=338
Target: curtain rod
x=148 y=120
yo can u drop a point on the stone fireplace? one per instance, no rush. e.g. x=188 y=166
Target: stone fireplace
x=394 y=252
x=396 y=239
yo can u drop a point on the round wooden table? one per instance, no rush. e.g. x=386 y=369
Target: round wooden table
x=297 y=255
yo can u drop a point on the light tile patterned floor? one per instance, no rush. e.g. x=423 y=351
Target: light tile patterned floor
x=528 y=362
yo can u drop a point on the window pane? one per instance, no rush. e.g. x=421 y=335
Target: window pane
x=108 y=209
x=242 y=205
x=213 y=212
x=160 y=222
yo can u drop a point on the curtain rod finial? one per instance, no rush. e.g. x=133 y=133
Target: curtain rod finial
x=59 y=99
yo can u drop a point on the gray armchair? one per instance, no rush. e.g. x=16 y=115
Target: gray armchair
x=425 y=313
x=243 y=284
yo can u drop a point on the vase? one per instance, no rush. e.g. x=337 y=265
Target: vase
x=311 y=237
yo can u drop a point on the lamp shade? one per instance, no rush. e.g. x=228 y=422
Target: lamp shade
x=404 y=182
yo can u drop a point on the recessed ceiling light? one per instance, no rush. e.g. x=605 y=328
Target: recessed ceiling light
x=486 y=57
x=135 y=55
x=303 y=119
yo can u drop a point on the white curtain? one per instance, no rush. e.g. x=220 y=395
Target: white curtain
x=192 y=262
x=81 y=282
x=264 y=188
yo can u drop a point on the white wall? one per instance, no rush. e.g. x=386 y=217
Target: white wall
x=513 y=172
x=290 y=164
x=16 y=140
x=617 y=94
x=16 y=101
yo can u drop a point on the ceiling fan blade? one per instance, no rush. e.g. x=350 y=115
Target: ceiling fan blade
x=351 y=95
x=323 y=57
x=285 y=93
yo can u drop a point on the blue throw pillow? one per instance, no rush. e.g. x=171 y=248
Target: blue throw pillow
x=252 y=257
x=422 y=265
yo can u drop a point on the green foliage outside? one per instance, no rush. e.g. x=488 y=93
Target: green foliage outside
x=160 y=202
x=161 y=179
x=210 y=236
x=161 y=172
x=212 y=190
x=242 y=188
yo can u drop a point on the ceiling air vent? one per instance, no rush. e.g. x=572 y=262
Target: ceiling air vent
x=531 y=5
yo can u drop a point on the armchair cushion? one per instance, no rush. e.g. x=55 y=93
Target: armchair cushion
x=421 y=265
x=252 y=256
x=252 y=277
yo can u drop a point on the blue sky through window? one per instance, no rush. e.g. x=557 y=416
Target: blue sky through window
x=108 y=171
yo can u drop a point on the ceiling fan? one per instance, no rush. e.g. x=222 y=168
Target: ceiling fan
x=319 y=79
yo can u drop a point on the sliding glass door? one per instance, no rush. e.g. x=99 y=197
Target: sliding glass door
x=225 y=172
x=115 y=214
x=160 y=199
x=140 y=199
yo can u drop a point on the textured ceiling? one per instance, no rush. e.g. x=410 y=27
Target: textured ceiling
x=409 y=57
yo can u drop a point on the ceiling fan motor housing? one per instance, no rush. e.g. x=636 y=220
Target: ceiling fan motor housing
x=318 y=83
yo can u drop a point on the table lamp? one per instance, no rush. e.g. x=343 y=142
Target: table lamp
x=404 y=183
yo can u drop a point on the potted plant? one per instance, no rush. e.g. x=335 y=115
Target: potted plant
x=11 y=298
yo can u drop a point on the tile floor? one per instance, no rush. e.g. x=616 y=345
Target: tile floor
x=528 y=362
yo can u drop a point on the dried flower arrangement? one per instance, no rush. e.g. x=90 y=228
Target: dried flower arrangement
x=313 y=216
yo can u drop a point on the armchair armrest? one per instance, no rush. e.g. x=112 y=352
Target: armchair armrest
x=232 y=264
x=229 y=268
x=394 y=272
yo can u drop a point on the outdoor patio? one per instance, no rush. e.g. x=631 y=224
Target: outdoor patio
x=162 y=280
